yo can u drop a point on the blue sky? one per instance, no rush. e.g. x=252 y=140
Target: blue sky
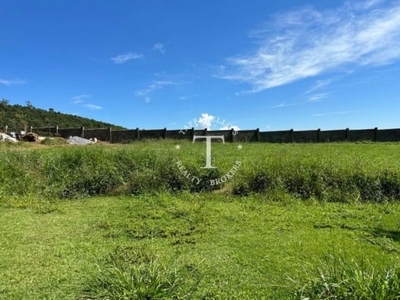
x=272 y=65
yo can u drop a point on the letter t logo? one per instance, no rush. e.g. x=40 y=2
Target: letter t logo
x=208 y=147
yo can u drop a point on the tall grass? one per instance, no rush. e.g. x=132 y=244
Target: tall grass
x=129 y=274
x=328 y=172
x=338 y=278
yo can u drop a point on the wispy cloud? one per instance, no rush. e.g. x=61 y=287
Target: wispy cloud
x=159 y=47
x=311 y=99
x=308 y=42
x=367 y=4
x=79 y=98
x=9 y=82
x=335 y=113
x=150 y=89
x=123 y=58
x=284 y=104
x=92 y=106
x=324 y=83
x=188 y=97
x=317 y=97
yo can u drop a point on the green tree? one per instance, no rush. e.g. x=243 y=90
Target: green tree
x=4 y=102
x=29 y=104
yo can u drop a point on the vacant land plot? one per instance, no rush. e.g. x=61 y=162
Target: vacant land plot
x=249 y=248
x=121 y=222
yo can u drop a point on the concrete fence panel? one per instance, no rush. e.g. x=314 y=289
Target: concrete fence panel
x=241 y=136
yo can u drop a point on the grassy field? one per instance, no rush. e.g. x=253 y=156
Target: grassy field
x=327 y=172
x=121 y=222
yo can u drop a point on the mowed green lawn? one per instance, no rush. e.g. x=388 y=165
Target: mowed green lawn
x=241 y=248
x=297 y=221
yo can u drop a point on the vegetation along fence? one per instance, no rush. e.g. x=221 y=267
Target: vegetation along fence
x=255 y=135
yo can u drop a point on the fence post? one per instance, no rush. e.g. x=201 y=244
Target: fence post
x=57 y=130
x=347 y=135
x=82 y=131
x=165 y=133
x=192 y=130
x=6 y=129
x=318 y=135
x=205 y=131
x=291 y=135
x=376 y=134
x=258 y=134
x=110 y=134
x=138 y=133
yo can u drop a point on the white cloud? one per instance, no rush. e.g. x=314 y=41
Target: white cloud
x=335 y=113
x=123 y=58
x=159 y=47
x=92 y=106
x=156 y=85
x=284 y=104
x=142 y=93
x=317 y=97
x=229 y=127
x=12 y=82
x=79 y=98
x=160 y=83
x=307 y=42
x=319 y=84
x=188 y=97
x=323 y=83
x=205 y=120
x=365 y=4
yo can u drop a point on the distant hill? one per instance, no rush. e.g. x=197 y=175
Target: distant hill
x=16 y=117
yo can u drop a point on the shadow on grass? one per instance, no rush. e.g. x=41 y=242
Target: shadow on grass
x=392 y=234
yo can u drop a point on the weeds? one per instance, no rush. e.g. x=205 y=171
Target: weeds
x=135 y=274
x=338 y=278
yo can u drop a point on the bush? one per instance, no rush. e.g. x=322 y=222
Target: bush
x=340 y=279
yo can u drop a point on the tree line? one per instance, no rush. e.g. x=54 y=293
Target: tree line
x=18 y=117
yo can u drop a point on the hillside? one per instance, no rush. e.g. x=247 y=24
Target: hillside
x=16 y=117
